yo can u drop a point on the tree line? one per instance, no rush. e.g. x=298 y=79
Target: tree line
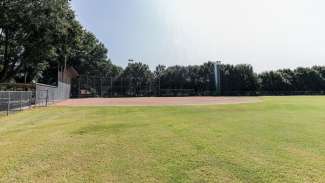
x=138 y=80
x=40 y=37
x=235 y=79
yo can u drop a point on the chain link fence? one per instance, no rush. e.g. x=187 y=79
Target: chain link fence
x=12 y=101
x=47 y=94
x=89 y=86
x=38 y=95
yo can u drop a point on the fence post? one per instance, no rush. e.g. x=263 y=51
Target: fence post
x=36 y=94
x=47 y=97
x=79 y=87
x=20 y=101
x=101 y=87
x=111 y=87
x=30 y=99
x=8 y=107
x=159 y=94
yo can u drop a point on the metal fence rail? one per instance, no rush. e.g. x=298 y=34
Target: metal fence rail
x=11 y=101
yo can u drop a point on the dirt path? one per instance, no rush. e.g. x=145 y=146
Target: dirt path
x=158 y=101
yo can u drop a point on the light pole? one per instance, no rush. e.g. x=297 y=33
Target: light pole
x=131 y=61
x=217 y=76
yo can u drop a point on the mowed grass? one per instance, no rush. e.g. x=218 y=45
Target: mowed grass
x=281 y=139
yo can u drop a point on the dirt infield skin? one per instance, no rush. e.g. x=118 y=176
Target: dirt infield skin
x=158 y=101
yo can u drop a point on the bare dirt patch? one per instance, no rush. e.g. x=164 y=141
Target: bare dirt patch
x=158 y=101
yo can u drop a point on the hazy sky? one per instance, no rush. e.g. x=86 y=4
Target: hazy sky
x=268 y=34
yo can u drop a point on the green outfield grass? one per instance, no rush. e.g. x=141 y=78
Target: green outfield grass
x=281 y=139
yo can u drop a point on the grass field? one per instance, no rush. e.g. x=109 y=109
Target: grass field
x=281 y=139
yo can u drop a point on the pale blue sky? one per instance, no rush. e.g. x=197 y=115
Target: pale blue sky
x=269 y=34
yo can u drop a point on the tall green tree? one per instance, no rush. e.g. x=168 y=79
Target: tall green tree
x=138 y=79
x=40 y=37
x=91 y=57
x=32 y=33
x=238 y=79
x=274 y=81
x=308 y=79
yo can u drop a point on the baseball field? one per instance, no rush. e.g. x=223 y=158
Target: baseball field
x=266 y=139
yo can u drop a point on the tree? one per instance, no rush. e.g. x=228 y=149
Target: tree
x=207 y=78
x=138 y=78
x=321 y=71
x=238 y=79
x=160 y=69
x=307 y=79
x=40 y=37
x=274 y=81
x=31 y=33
